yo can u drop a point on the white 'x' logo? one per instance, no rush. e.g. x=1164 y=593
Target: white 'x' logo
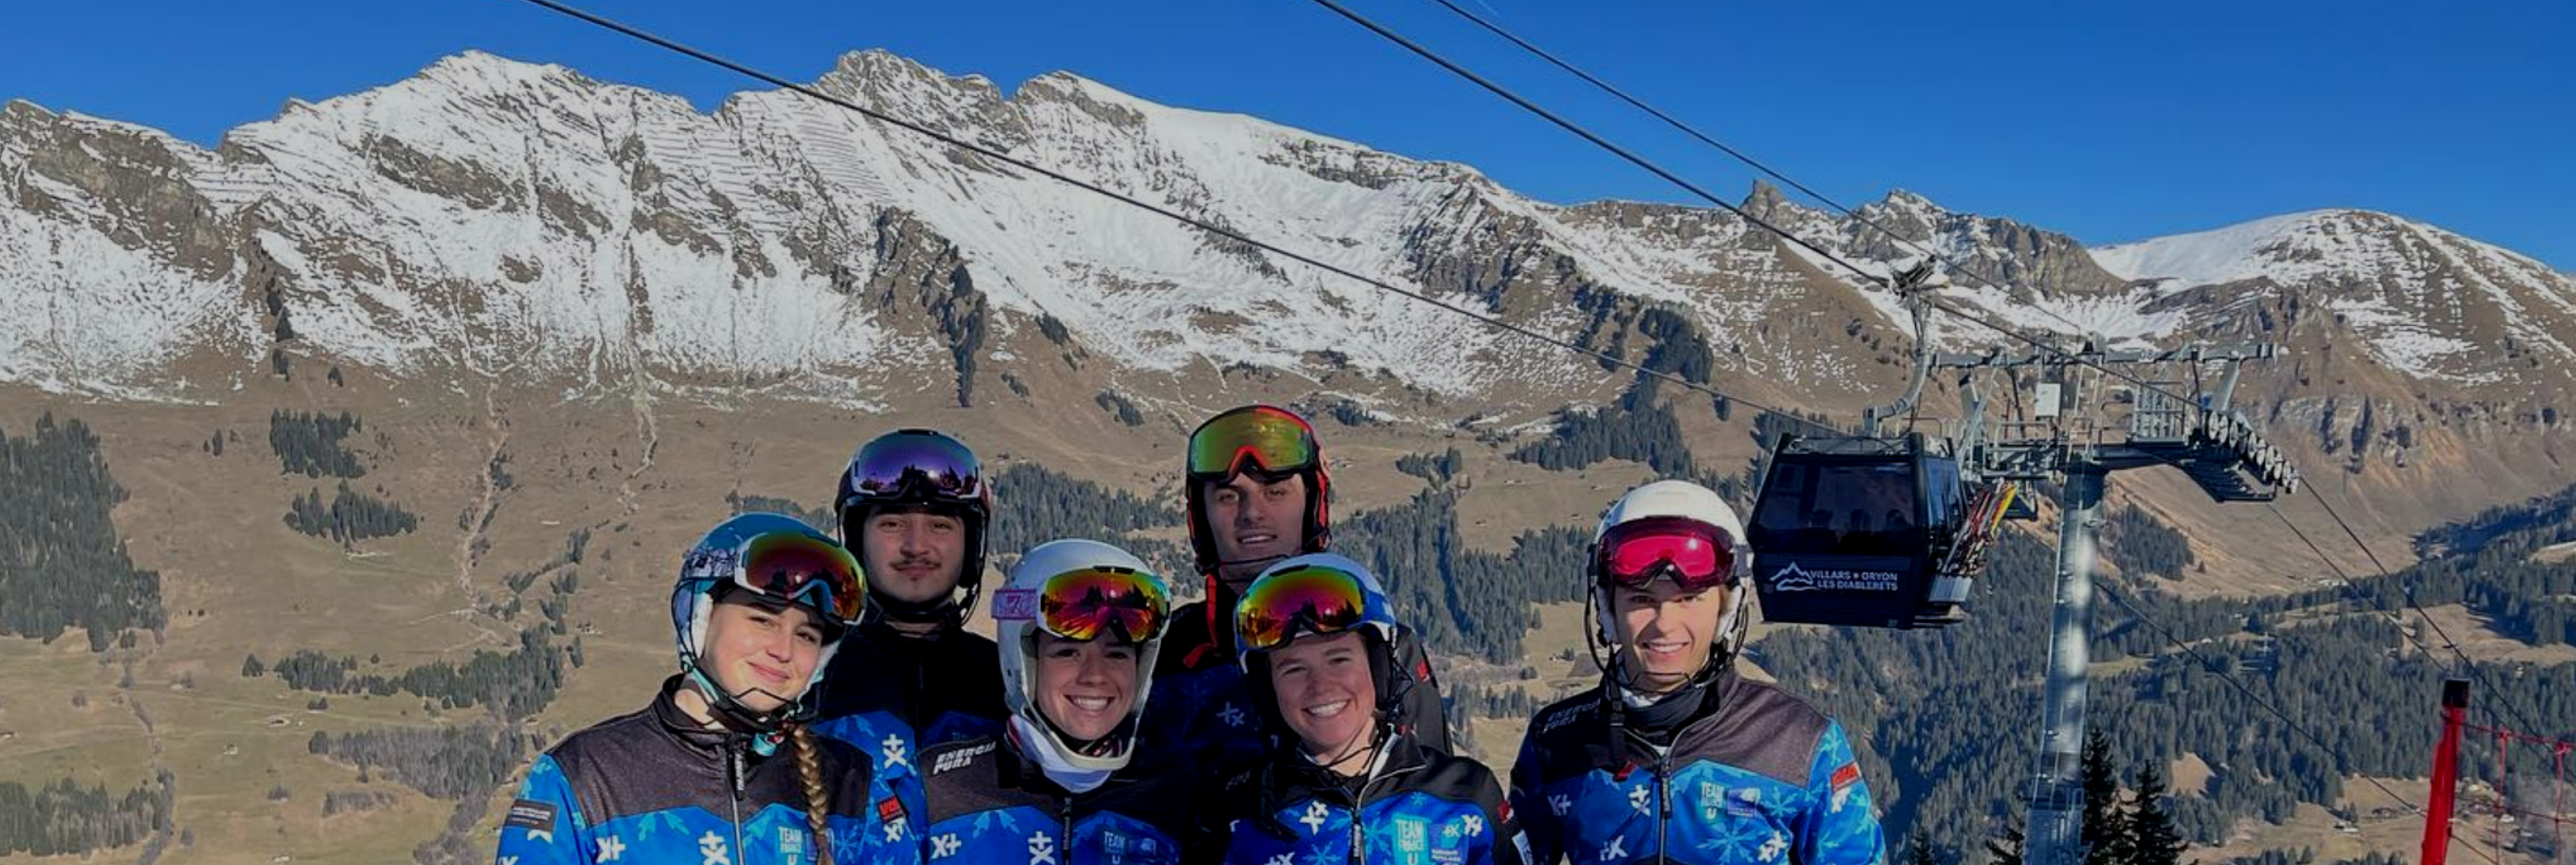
x=1771 y=849
x=712 y=849
x=1560 y=803
x=1475 y=825
x=1314 y=818
x=894 y=751
x=1041 y=848
x=610 y=849
x=944 y=846
x=1617 y=850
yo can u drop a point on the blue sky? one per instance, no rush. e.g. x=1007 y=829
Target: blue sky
x=2112 y=120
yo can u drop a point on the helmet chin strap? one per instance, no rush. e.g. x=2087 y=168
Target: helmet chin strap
x=947 y=611
x=1720 y=653
x=729 y=711
x=1263 y=561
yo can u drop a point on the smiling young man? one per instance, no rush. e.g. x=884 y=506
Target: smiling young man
x=914 y=504
x=1257 y=492
x=1675 y=757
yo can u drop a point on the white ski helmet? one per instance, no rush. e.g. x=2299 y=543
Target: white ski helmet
x=1023 y=606
x=1687 y=501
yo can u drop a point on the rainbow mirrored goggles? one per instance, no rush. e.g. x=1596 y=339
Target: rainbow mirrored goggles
x=1275 y=440
x=797 y=567
x=1088 y=603
x=1284 y=605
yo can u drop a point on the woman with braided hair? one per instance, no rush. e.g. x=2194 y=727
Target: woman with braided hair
x=698 y=776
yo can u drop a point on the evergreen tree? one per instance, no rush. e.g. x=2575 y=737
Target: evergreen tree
x=2105 y=829
x=2007 y=849
x=2152 y=837
x=1920 y=851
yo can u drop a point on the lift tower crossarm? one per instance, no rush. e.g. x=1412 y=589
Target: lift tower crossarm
x=2217 y=447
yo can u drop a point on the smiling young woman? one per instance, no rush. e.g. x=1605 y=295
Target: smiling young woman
x=760 y=607
x=1079 y=623
x=1317 y=641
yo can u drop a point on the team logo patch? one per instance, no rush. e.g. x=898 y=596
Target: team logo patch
x=890 y=810
x=1015 y=605
x=1846 y=776
x=960 y=758
x=531 y=815
x=1412 y=835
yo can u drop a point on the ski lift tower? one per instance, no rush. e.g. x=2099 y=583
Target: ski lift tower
x=2072 y=430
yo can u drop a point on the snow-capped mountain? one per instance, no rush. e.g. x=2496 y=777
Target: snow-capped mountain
x=2426 y=302
x=493 y=217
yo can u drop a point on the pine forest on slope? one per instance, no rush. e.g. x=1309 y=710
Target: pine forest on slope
x=533 y=331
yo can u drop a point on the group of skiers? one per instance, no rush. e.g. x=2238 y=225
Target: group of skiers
x=832 y=707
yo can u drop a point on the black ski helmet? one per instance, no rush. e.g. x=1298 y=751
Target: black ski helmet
x=1274 y=442
x=927 y=469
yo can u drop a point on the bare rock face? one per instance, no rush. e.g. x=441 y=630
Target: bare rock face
x=489 y=217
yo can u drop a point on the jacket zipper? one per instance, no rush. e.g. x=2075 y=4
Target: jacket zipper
x=1664 y=804
x=734 y=769
x=1359 y=838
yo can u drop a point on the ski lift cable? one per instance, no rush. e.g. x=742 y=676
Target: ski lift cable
x=2464 y=662
x=773 y=80
x=2344 y=579
x=1739 y=156
x=1650 y=167
x=1623 y=153
x=1159 y=210
x=2342 y=764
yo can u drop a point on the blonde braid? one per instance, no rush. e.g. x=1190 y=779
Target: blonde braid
x=818 y=802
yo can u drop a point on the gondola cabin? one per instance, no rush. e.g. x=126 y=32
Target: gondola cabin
x=1868 y=532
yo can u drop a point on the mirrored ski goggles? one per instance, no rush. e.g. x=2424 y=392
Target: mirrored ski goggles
x=1308 y=600
x=1085 y=604
x=793 y=567
x=1272 y=438
x=1696 y=555
x=919 y=465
